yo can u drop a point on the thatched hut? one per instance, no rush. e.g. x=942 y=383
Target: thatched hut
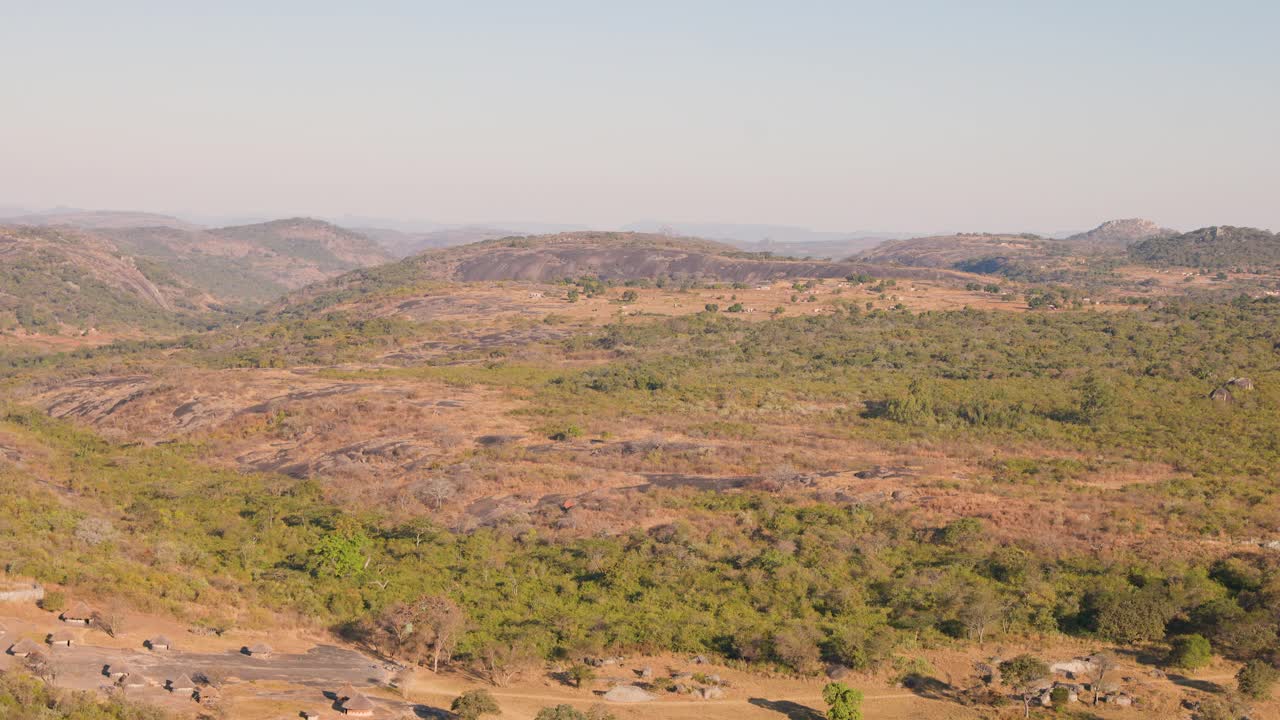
x=24 y=648
x=159 y=642
x=61 y=638
x=135 y=679
x=1222 y=395
x=346 y=692
x=78 y=614
x=181 y=684
x=257 y=650
x=1241 y=382
x=358 y=706
x=117 y=671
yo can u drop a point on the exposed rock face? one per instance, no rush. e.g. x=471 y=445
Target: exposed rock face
x=1122 y=233
x=628 y=694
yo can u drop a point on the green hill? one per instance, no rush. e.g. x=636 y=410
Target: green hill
x=1222 y=246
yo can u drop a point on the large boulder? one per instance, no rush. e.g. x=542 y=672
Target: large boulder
x=628 y=694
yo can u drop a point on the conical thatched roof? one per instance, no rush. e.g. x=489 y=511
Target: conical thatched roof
x=358 y=702
x=182 y=682
x=259 y=649
x=78 y=611
x=24 y=647
x=345 y=692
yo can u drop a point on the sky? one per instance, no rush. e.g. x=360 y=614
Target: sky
x=958 y=116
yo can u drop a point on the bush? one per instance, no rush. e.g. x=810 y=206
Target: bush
x=473 y=704
x=1190 y=652
x=843 y=702
x=1256 y=678
x=54 y=601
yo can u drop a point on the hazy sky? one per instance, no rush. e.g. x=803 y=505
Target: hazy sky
x=835 y=115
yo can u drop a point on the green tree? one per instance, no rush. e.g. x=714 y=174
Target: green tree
x=1190 y=652
x=581 y=673
x=1022 y=674
x=1096 y=399
x=339 y=554
x=560 y=712
x=1256 y=678
x=474 y=704
x=843 y=702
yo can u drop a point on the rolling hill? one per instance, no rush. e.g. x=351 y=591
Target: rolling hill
x=58 y=279
x=247 y=265
x=1222 y=246
x=403 y=244
x=1121 y=233
x=99 y=219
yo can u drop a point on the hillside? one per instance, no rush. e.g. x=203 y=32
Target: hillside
x=1211 y=247
x=617 y=257
x=1121 y=233
x=950 y=251
x=55 y=280
x=99 y=219
x=403 y=244
x=251 y=264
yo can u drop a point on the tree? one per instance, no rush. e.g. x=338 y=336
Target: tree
x=41 y=666
x=473 y=704
x=503 y=659
x=442 y=621
x=1103 y=663
x=843 y=702
x=1256 y=678
x=1096 y=399
x=434 y=491
x=630 y=296
x=112 y=619
x=581 y=673
x=340 y=553
x=426 y=629
x=981 y=609
x=1132 y=616
x=560 y=712
x=1021 y=673
x=1190 y=652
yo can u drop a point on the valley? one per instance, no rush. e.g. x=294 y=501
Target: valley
x=892 y=470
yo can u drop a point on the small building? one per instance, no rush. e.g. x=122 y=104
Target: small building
x=346 y=692
x=358 y=706
x=258 y=650
x=135 y=679
x=180 y=684
x=117 y=671
x=309 y=715
x=24 y=648
x=61 y=638
x=78 y=614
x=158 y=642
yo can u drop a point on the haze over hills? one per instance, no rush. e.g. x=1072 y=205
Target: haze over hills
x=98 y=219
x=401 y=243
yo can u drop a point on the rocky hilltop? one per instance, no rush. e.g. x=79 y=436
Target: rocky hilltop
x=1122 y=233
